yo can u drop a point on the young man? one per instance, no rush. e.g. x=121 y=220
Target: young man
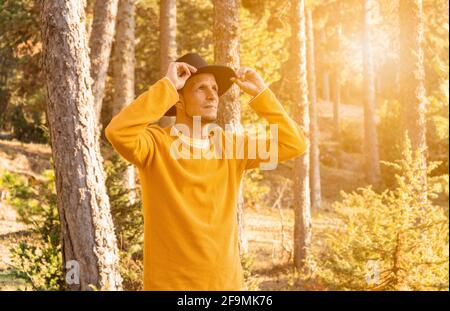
x=190 y=223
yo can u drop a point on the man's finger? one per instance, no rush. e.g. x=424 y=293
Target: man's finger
x=188 y=66
x=186 y=70
x=237 y=81
x=192 y=68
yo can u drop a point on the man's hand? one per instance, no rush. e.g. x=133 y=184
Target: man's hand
x=178 y=73
x=249 y=81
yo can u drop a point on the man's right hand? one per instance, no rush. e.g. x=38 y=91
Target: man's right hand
x=178 y=73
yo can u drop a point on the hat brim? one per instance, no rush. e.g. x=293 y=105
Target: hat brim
x=222 y=74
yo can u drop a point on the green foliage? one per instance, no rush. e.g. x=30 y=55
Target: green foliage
x=39 y=262
x=437 y=131
x=22 y=100
x=390 y=133
x=28 y=131
x=128 y=221
x=389 y=143
x=39 y=265
x=247 y=262
x=350 y=140
x=394 y=240
x=254 y=191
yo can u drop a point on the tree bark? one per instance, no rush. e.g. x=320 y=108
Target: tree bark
x=337 y=77
x=226 y=52
x=167 y=43
x=314 y=128
x=412 y=75
x=87 y=229
x=371 y=153
x=123 y=71
x=100 y=42
x=167 y=34
x=302 y=214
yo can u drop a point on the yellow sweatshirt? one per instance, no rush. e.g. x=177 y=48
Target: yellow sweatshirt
x=189 y=205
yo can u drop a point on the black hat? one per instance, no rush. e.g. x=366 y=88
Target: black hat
x=222 y=74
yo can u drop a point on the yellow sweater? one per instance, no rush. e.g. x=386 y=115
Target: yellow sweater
x=190 y=226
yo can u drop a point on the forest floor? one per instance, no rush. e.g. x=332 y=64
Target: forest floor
x=270 y=246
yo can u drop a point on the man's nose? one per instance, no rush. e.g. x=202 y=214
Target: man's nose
x=211 y=94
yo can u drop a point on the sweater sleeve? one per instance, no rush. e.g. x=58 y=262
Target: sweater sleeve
x=129 y=131
x=286 y=139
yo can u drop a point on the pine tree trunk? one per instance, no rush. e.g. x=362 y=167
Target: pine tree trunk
x=302 y=214
x=167 y=34
x=87 y=229
x=314 y=128
x=412 y=75
x=371 y=155
x=226 y=52
x=100 y=42
x=336 y=104
x=167 y=43
x=337 y=77
x=326 y=85
x=124 y=64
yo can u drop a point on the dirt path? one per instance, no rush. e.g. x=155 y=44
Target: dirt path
x=10 y=232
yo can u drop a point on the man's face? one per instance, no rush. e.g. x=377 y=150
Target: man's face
x=200 y=97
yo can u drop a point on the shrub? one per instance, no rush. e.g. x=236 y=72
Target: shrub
x=394 y=240
x=39 y=262
x=350 y=140
x=128 y=221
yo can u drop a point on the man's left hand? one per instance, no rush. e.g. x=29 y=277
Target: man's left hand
x=249 y=81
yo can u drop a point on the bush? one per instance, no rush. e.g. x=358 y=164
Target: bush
x=394 y=240
x=128 y=221
x=254 y=192
x=247 y=262
x=38 y=262
x=28 y=131
x=350 y=140
x=390 y=133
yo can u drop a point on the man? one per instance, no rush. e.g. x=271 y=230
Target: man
x=190 y=223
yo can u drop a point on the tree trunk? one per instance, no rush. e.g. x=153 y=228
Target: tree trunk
x=167 y=34
x=372 y=166
x=326 y=85
x=87 y=229
x=167 y=43
x=314 y=128
x=412 y=75
x=226 y=52
x=124 y=63
x=100 y=43
x=336 y=104
x=337 y=77
x=302 y=214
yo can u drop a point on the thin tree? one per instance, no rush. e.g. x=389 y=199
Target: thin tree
x=412 y=75
x=371 y=153
x=337 y=74
x=314 y=128
x=226 y=52
x=100 y=43
x=167 y=42
x=302 y=213
x=89 y=243
x=325 y=70
x=167 y=33
x=123 y=70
